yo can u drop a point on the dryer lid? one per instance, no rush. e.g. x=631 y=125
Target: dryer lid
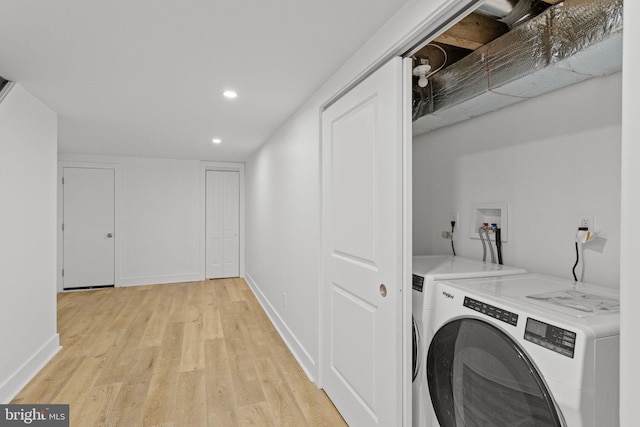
x=441 y=267
x=595 y=306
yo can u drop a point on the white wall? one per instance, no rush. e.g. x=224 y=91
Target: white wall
x=283 y=232
x=552 y=159
x=159 y=217
x=283 y=191
x=159 y=221
x=28 y=145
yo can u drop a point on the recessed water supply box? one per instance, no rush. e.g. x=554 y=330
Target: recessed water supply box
x=489 y=213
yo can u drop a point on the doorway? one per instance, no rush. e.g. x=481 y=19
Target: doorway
x=222 y=224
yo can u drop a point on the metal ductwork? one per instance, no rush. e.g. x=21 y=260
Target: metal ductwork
x=567 y=43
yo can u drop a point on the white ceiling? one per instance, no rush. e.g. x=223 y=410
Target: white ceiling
x=144 y=77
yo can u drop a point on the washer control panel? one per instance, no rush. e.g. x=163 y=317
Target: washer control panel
x=418 y=283
x=551 y=337
x=491 y=311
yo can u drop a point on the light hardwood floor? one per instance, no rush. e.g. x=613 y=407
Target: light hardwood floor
x=187 y=354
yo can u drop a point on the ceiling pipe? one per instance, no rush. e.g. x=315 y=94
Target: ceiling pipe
x=497 y=8
x=512 y=12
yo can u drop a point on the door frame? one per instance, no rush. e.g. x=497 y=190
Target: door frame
x=438 y=21
x=117 y=264
x=222 y=167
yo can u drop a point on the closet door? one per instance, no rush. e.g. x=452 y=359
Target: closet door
x=362 y=314
x=230 y=224
x=222 y=218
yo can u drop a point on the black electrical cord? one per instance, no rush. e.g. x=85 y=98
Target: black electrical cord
x=576 y=264
x=499 y=245
x=453 y=225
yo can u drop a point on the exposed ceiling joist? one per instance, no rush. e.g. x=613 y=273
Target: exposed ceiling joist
x=473 y=31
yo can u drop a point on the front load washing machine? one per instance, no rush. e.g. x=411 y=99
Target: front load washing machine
x=427 y=270
x=527 y=350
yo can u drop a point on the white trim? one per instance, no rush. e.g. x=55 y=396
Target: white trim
x=324 y=249
x=220 y=166
x=25 y=373
x=321 y=261
x=117 y=171
x=294 y=345
x=407 y=242
x=159 y=279
x=629 y=225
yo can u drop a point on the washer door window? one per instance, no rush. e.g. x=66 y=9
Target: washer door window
x=479 y=376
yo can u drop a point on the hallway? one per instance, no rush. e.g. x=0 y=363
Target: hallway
x=185 y=354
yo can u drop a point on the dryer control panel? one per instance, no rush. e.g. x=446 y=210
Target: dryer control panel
x=491 y=310
x=418 y=283
x=552 y=337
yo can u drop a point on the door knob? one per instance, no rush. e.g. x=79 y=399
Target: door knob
x=110 y=235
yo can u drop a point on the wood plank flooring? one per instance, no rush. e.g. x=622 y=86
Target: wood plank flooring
x=186 y=354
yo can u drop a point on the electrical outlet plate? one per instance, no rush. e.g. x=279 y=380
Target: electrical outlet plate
x=455 y=216
x=587 y=221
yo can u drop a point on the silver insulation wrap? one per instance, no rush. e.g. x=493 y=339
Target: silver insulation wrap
x=567 y=43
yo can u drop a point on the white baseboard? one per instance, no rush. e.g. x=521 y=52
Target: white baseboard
x=25 y=373
x=157 y=280
x=306 y=362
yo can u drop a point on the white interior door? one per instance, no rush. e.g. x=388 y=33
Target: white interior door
x=88 y=227
x=213 y=212
x=362 y=345
x=222 y=224
x=231 y=224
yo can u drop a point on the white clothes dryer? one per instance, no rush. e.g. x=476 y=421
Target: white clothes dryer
x=426 y=271
x=527 y=350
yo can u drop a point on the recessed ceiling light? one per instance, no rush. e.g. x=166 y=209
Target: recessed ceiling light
x=216 y=140
x=230 y=94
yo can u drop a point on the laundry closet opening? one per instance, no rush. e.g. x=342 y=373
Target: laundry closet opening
x=518 y=106
x=517 y=112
